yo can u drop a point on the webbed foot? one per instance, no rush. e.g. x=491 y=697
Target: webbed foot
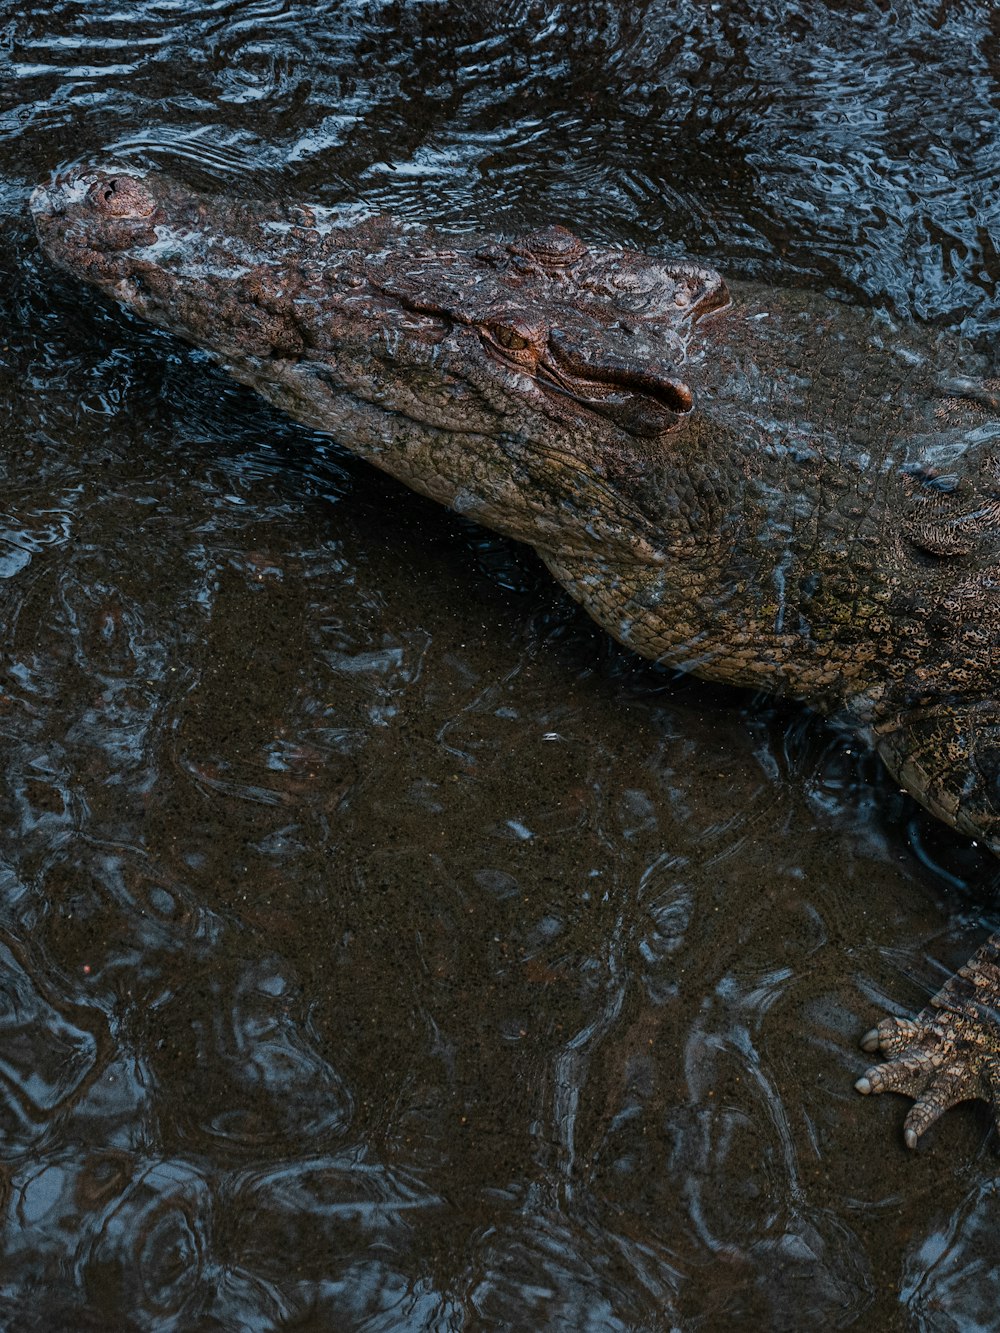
x=950 y=1052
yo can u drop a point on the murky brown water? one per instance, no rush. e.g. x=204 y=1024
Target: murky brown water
x=381 y=947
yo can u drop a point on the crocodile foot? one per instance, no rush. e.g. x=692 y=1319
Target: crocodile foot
x=950 y=1052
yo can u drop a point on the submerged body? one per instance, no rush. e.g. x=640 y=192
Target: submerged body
x=764 y=488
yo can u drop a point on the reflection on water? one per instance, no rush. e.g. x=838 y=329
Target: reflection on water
x=380 y=947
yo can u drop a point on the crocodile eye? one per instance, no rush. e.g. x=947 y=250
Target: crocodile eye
x=509 y=338
x=518 y=339
x=552 y=247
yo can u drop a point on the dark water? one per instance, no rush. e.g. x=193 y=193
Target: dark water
x=381 y=947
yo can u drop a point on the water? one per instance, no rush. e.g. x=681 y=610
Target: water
x=380 y=946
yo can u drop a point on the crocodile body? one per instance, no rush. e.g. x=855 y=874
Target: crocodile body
x=761 y=487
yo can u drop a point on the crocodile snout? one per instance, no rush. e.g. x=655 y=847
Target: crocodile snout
x=114 y=195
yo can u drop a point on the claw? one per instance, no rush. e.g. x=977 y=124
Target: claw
x=893 y=1077
x=891 y=1035
x=950 y=1053
x=930 y=1106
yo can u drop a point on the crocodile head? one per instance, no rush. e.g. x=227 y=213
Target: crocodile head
x=513 y=381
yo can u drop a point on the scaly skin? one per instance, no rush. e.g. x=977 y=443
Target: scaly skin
x=761 y=487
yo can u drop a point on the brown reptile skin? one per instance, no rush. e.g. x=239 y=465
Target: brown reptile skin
x=761 y=487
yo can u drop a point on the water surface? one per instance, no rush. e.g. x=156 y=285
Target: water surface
x=380 y=946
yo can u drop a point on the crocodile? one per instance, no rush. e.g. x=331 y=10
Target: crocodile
x=762 y=487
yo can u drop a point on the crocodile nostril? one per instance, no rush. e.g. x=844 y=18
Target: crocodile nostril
x=122 y=197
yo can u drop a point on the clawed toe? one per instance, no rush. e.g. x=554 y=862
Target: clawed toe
x=949 y=1054
x=934 y=1089
x=930 y=1106
x=891 y=1036
x=892 y=1077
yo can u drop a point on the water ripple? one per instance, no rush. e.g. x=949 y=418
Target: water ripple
x=383 y=947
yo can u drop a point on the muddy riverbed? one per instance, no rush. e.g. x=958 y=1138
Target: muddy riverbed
x=381 y=947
